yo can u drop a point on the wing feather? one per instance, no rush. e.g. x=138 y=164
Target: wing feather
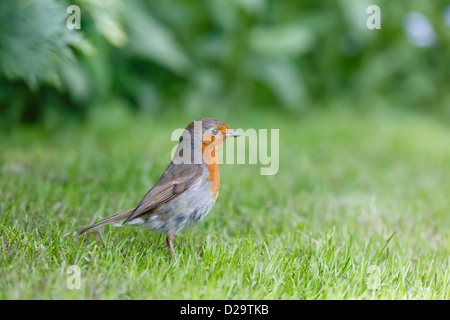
x=175 y=180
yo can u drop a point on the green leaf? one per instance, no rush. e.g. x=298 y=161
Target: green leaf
x=154 y=41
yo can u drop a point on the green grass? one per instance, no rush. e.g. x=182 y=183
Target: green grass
x=356 y=196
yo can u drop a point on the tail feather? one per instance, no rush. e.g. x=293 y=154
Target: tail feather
x=109 y=220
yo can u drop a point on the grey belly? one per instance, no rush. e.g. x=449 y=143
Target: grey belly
x=186 y=210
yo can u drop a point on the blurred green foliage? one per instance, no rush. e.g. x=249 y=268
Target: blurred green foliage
x=243 y=54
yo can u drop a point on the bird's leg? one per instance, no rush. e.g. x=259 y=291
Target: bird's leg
x=169 y=241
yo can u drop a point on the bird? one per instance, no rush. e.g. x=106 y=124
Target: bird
x=188 y=188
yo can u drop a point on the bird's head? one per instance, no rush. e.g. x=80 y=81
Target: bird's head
x=207 y=135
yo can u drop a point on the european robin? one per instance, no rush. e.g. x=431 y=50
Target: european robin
x=188 y=188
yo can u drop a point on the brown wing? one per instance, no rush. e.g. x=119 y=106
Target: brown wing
x=176 y=179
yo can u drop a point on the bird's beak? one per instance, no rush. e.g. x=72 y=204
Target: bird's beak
x=232 y=134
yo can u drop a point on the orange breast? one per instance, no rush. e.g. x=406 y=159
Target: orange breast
x=214 y=176
x=211 y=162
x=210 y=146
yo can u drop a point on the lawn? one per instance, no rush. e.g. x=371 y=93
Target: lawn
x=358 y=210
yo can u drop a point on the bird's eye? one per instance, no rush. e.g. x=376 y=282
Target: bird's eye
x=215 y=131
